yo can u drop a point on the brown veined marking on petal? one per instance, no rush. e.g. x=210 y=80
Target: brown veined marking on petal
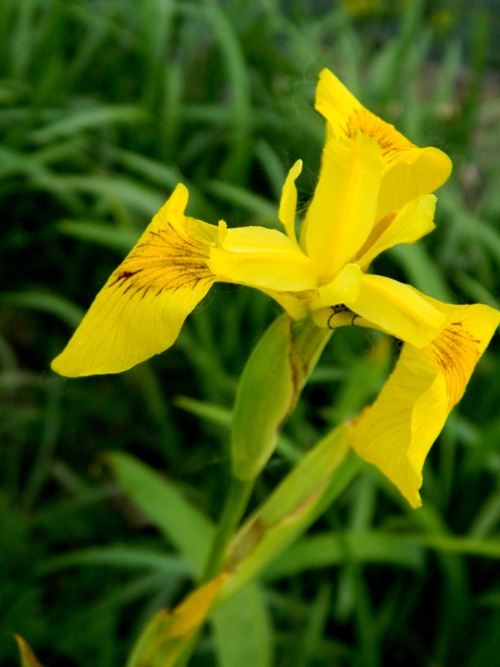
x=165 y=260
x=388 y=138
x=456 y=352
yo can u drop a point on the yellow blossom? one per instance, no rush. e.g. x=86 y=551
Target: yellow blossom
x=374 y=191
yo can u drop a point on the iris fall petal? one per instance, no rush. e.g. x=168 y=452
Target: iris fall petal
x=397 y=431
x=141 y=308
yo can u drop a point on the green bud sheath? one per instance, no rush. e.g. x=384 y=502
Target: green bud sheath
x=269 y=387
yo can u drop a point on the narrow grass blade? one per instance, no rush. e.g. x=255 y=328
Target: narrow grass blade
x=45 y=303
x=164 y=504
x=333 y=549
x=103 y=234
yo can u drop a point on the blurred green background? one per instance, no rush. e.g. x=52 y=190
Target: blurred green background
x=104 y=106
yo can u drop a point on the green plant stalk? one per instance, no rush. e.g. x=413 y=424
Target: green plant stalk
x=299 y=346
x=235 y=505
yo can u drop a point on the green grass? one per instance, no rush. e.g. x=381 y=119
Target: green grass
x=104 y=107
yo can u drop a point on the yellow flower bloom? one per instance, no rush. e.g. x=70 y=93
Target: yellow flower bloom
x=409 y=171
x=373 y=192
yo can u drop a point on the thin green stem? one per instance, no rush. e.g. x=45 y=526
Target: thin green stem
x=234 y=507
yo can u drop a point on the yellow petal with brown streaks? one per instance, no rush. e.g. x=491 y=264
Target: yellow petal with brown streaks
x=142 y=306
x=397 y=431
x=410 y=171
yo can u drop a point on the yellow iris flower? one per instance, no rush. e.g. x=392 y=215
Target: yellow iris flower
x=373 y=192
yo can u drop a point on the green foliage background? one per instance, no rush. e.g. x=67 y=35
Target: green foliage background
x=106 y=105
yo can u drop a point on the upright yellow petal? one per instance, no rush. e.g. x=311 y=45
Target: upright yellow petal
x=397 y=431
x=262 y=258
x=397 y=309
x=141 y=308
x=342 y=212
x=288 y=203
x=406 y=226
x=335 y=103
x=410 y=171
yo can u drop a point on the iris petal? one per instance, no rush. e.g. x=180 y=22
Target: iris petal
x=344 y=288
x=288 y=203
x=410 y=171
x=342 y=212
x=397 y=309
x=406 y=226
x=141 y=308
x=262 y=258
x=397 y=431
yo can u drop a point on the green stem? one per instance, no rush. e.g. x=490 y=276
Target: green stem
x=234 y=507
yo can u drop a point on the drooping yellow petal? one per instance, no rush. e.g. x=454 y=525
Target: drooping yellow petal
x=406 y=226
x=457 y=349
x=410 y=171
x=141 y=308
x=288 y=203
x=345 y=287
x=412 y=175
x=385 y=432
x=397 y=431
x=397 y=309
x=262 y=258
x=342 y=212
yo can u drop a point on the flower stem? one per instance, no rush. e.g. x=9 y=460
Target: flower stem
x=234 y=507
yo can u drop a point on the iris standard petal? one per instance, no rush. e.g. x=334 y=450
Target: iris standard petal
x=288 y=202
x=397 y=309
x=397 y=431
x=262 y=258
x=406 y=226
x=341 y=214
x=141 y=308
x=410 y=171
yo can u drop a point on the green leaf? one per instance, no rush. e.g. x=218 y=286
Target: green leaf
x=216 y=414
x=332 y=549
x=294 y=505
x=122 y=556
x=243 y=633
x=77 y=121
x=268 y=390
x=165 y=505
x=102 y=234
x=145 y=200
x=421 y=270
x=45 y=302
x=256 y=205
